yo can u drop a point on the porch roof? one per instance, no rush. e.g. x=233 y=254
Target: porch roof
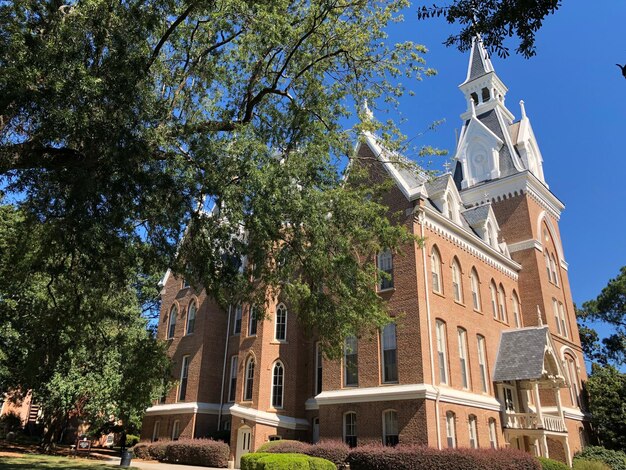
x=521 y=354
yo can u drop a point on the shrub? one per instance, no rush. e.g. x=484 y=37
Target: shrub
x=584 y=464
x=549 y=464
x=156 y=450
x=284 y=461
x=335 y=451
x=131 y=440
x=413 y=457
x=284 y=446
x=10 y=422
x=141 y=451
x=205 y=452
x=615 y=459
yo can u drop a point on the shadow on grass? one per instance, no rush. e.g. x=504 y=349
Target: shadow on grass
x=46 y=462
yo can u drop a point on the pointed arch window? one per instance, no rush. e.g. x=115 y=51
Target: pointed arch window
x=548 y=271
x=457 y=286
x=280 y=326
x=557 y=320
x=451 y=429
x=493 y=290
x=278 y=378
x=463 y=358
x=249 y=385
x=385 y=264
x=349 y=429
x=171 y=326
x=435 y=266
x=563 y=320
x=489 y=235
x=442 y=353
x=572 y=371
x=191 y=318
x=390 y=428
x=493 y=435
x=555 y=276
x=502 y=304
x=475 y=289
x=482 y=363
x=473 y=432
x=516 y=311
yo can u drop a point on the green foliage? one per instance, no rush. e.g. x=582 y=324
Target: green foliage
x=550 y=464
x=494 y=20
x=10 y=422
x=265 y=461
x=616 y=460
x=131 y=440
x=607 y=395
x=585 y=464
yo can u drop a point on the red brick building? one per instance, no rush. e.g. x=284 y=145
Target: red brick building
x=483 y=351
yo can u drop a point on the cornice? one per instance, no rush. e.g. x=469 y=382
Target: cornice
x=269 y=419
x=188 y=407
x=525 y=245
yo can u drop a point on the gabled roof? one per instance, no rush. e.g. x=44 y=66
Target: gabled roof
x=522 y=356
x=477 y=215
x=506 y=159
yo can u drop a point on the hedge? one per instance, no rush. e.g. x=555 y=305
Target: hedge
x=203 y=452
x=335 y=451
x=584 y=464
x=549 y=464
x=280 y=461
x=615 y=459
x=413 y=457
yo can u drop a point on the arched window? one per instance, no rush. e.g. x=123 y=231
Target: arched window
x=572 y=372
x=252 y=321
x=482 y=363
x=442 y=353
x=390 y=428
x=502 y=303
x=171 y=327
x=435 y=266
x=385 y=264
x=156 y=430
x=516 y=311
x=564 y=328
x=493 y=434
x=555 y=276
x=238 y=314
x=485 y=94
x=349 y=428
x=490 y=236
x=547 y=258
x=278 y=377
x=176 y=430
x=280 y=326
x=351 y=362
x=191 y=318
x=475 y=289
x=457 y=286
x=232 y=387
x=463 y=357
x=249 y=385
x=389 y=353
x=451 y=429
x=555 y=311
x=473 y=432
x=494 y=303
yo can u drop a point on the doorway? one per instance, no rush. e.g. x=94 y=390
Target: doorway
x=244 y=438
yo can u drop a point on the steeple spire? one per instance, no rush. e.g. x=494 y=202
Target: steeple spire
x=479 y=63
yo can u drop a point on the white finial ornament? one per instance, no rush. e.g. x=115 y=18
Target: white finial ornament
x=366 y=112
x=447 y=166
x=523 y=108
x=539 y=317
x=486 y=197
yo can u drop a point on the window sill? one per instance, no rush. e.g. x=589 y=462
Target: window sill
x=279 y=341
x=394 y=382
x=351 y=386
x=188 y=334
x=460 y=302
x=478 y=311
x=439 y=294
x=385 y=290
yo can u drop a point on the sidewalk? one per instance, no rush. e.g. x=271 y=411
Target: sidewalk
x=150 y=465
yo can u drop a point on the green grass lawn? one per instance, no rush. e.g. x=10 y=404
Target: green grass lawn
x=51 y=462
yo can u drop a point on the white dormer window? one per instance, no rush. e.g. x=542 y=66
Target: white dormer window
x=489 y=235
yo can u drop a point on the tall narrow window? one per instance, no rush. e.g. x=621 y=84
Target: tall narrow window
x=493 y=436
x=435 y=266
x=191 y=318
x=249 y=385
x=462 y=337
x=451 y=429
x=238 y=312
x=390 y=428
x=385 y=264
x=232 y=390
x=389 y=353
x=442 y=351
x=350 y=362
x=557 y=320
x=516 y=311
x=473 y=434
x=502 y=303
x=278 y=377
x=572 y=371
x=563 y=320
x=349 y=428
x=252 y=321
x=318 y=368
x=475 y=289
x=457 y=286
x=547 y=258
x=184 y=375
x=555 y=276
x=171 y=327
x=494 y=303
x=156 y=430
x=176 y=430
x=280 y=327
x=482 y=363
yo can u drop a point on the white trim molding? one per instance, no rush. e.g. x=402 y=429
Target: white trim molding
x=525 y=245
x=403 y=392
x=569 y=413
x=270 y=419
x=191 y=407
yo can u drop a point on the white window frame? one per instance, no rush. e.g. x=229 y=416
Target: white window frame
x=473 y=431
x=352 y=425
x=390 y=427
x=278 y=386
x=192 y=308
x=248 y=386
x=435 y=268
x=547 y=259
x=280 y=319
x=171 y=322
x=502 y=304
x=457 y=281
x=493 y=290
x=463 y=358
x=555 y=275
x=516 y=310
x=557 y=319
x=184 y=378
x=493 y=433
x=351 y=345
x=564 y=328
x=442 y=351
x=475 y=282
x=389 y=342
x=176 y=430
x=451 y=429
x=482 y=363
x=232 y=383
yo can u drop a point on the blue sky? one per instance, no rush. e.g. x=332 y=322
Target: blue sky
x=575 y=98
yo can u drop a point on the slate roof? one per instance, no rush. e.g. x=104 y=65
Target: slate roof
x=477 y=67
x=521 y=354
x=490 y=119
x=438 y=184
x=476 y=215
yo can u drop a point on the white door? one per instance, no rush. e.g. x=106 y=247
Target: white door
x=316 y=430
x=244 y=436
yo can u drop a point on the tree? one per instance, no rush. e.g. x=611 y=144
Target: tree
x=607 y=389
x=609 y=308
x=494 y=20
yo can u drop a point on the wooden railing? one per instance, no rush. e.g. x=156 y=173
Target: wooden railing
x=531 y=421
